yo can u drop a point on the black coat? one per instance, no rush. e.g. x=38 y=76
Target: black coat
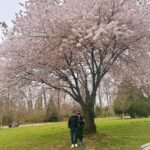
x=80 y=126
x=72 y=123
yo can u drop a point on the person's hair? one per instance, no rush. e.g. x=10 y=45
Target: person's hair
x=74 y=112
x=79 y=113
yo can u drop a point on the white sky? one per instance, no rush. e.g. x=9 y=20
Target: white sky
x=8 y=8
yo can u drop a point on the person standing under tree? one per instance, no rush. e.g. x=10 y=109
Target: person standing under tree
x=72 y=124
x=80 y=126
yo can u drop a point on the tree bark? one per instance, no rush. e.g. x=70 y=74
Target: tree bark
x=89 y=126
x=44 y=98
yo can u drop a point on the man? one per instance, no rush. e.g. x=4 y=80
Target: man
x=72 y=124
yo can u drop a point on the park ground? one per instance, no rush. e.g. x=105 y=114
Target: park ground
x=113 y=134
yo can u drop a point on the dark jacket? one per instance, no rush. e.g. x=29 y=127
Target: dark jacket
x=72 y=123
x=80 y=122
x=80 y=126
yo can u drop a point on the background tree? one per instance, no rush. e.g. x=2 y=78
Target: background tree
x=129 y=102
x=138 y=108
x=51 y=112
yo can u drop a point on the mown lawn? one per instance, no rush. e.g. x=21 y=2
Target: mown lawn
x=113 y=134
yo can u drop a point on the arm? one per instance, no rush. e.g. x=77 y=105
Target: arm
x=82 y=122
x=69 y=123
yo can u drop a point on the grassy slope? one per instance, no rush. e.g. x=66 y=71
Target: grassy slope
x=113 y=134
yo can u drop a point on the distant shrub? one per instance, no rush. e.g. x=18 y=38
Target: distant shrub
x=138 y=109
x=52 y=114
x=6 y=119
x=52 y=118
x=35 y=117
x=103 y=111
x=98 y=111
x=107 y=114
x=117 y=109
x=132 y=106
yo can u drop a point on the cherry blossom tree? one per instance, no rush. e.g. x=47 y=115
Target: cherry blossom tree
x=138 y=74
x=74 y=43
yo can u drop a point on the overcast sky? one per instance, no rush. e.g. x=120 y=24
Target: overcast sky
x=8 y=8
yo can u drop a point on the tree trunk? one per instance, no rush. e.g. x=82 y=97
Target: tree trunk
x=30 y=100
x=58 y=100
x=89 y=126
x=99 y=97
x=44 y=97
x=1 y=119
x=1 y=114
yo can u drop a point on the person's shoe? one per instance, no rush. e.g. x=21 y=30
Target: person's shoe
x=76 y=145
x=72 y=146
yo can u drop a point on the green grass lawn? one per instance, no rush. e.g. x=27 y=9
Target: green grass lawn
x=113 y=134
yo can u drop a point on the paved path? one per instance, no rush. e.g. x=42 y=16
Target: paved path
x=33 y=124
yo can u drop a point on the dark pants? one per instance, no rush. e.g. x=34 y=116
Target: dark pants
x=73 y=135
x=80 y=134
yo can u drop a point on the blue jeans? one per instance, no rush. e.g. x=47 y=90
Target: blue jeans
x=73 y=136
